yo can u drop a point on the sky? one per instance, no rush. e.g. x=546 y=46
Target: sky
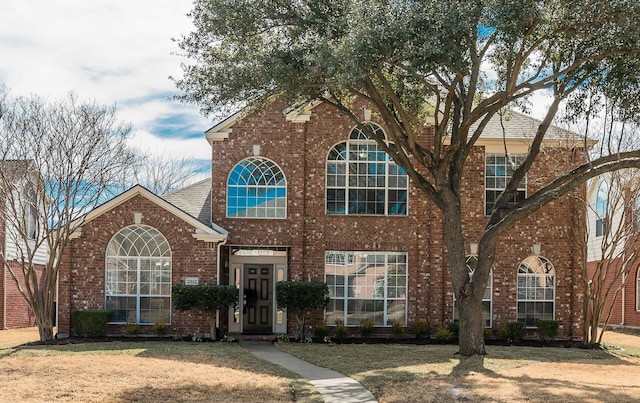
x=113 y=52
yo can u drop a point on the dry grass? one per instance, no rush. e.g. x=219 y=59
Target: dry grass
x=142 y=372
x=433 y=373
x=196 y=372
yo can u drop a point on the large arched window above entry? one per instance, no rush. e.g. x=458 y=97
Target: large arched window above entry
x=138 y=276
x=256 y=188
x=536 y=290
x=362 y=179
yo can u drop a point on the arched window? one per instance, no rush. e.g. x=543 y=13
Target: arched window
x=363 y=179
x=601 y=208
x=138 y=276
x=536 y=290
x=256 y=188
x=471 y=262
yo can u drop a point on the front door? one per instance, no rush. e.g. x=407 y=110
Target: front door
x=258 y=299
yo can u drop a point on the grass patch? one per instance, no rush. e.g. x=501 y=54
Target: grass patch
x=147 y=371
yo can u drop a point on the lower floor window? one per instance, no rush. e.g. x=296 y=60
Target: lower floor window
x=536 y=290
x=471 y=262
x=366 y=285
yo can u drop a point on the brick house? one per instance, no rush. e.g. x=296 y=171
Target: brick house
x=300 y=194
x=613 y=225
x=14 y=310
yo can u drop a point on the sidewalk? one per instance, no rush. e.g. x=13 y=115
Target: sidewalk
x=333 y=386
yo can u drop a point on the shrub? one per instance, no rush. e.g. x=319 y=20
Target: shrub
x=160 y=327
x=444 y=335
x=300 y=297
x=283 y=338
x=397 y=329
x=208 y=298
x=421 y=329
x=513 y=332
x=90 y=323
x=131 y=329
x=547 y=329
x=366 y=328
x=320 y=331
x=341 y=331
x=454 y=328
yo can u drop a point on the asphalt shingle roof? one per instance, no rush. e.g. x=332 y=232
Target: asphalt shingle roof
x=194 y=199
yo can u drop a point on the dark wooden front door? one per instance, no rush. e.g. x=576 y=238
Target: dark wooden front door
x=258 y=299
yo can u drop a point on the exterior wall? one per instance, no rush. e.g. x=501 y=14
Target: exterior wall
x=82 y=276
x=16 y=313
x=301 y=149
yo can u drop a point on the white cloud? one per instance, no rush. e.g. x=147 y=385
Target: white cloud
x=110 y=51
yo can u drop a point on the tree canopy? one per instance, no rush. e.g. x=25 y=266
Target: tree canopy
x=451 y=65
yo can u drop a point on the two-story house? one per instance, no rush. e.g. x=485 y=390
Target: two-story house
x=18 y=226
x=301 y=194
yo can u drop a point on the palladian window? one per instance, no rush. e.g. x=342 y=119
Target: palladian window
x=363 y=179
x=536 y=290
x=138 y=276
x=256 y=188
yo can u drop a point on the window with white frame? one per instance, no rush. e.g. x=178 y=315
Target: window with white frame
x=138 y=276
x=256 y=188
x=471 y=263
x=602 y=197
x=363 y=179
x=366 y=285
x=499 y=169
x=536 y=290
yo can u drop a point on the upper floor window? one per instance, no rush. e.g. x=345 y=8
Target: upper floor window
x=536 y=290
x=498 y=172
x=256 y=188
x=601 y=208
x=363 y=179
x=638 y=290
x=138 y=276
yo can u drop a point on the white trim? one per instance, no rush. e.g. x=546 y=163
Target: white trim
x=201 y=230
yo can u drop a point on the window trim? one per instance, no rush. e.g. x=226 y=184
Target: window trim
x=601 y=207
x=356 y=136
x=350 y=256
x=534 y=300
x=521 y=187
x=268 y=208
x=638 y=290
x=116 y=258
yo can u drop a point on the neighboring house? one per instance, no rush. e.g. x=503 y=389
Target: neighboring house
x=14 y=310
x=613 y=222
x=304 y=195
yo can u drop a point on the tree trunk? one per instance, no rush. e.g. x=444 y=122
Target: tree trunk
x=468 y=288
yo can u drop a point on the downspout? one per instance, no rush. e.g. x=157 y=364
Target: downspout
x=220 y=245
x=623 y=297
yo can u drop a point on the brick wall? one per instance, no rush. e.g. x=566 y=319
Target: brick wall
x=18 y=313
x=82 y=276
x=301 y=149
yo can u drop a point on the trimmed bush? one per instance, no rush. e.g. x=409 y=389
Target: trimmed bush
x=320 y=331
x=513 y=332
x=208 y=298
x=444 y=335
x=90 y=323
x=301 y=297
x=160 y=328
x=341 y=331
x=454 y=328
x=366 y=328
x=397 y=329
x=421 y=329
x=547 y=329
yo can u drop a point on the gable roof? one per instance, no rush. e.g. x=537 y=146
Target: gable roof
x=517 y=126
x=194 y=199
x=202 y=231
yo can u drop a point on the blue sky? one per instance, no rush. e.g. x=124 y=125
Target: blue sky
x=111 y=51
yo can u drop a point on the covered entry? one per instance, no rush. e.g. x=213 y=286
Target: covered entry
x=255 y=272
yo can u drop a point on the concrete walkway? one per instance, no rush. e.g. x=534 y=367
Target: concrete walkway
x=333 y=386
